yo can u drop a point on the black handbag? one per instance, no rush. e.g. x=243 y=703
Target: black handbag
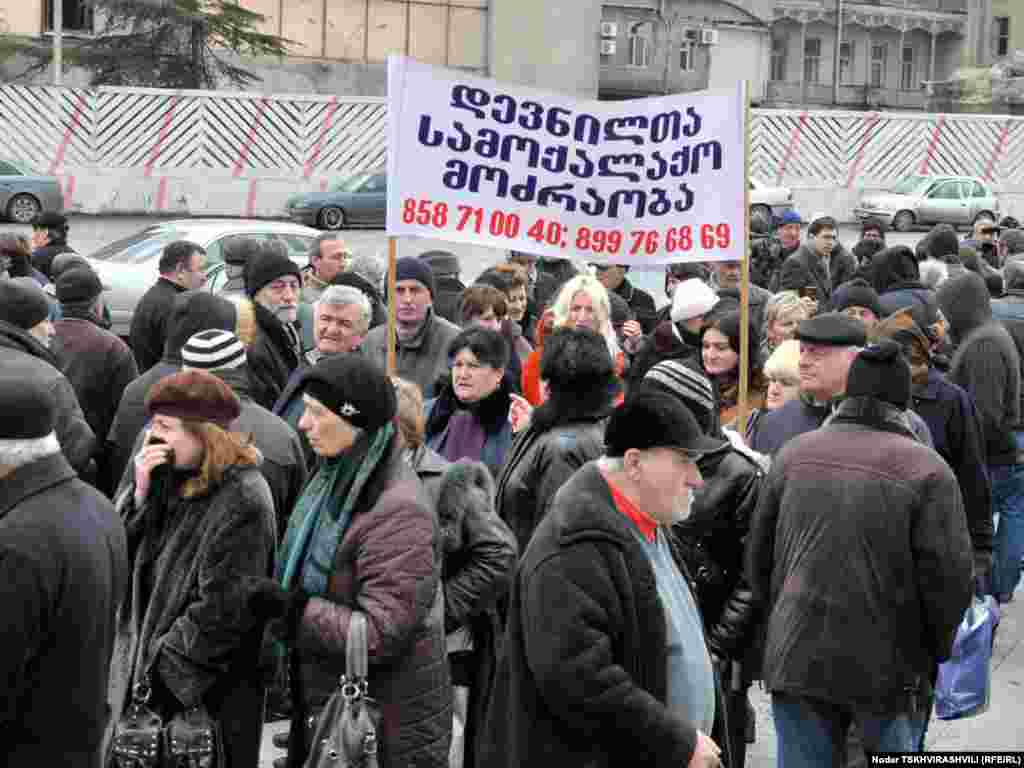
x=347 y=730
x=193 y=740
x=137 y=741
x=142 y=740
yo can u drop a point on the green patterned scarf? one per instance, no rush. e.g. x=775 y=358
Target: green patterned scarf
x=324 y=511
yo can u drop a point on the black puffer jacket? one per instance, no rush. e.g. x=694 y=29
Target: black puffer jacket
x=561 y=438
x=272 y=358
x=712 y=541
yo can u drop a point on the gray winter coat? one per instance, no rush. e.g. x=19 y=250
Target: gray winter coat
x=63 y=569
x=22 y=357
x=420 y=359
x=185 y=616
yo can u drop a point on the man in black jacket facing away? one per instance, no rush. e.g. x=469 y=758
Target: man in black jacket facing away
x=860 y=557
x=63 y=571
x=182 y=268
x=605 y=661
x=987 y=366
x=49 y=239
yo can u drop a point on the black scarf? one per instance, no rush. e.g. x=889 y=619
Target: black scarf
x=83 y=311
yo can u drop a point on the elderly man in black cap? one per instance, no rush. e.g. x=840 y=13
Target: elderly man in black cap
x=97 y=363
x=63 y=572
x=423 y=335
x=605 y=661
x=25 y=333
x=858 y=617
x=274 y=283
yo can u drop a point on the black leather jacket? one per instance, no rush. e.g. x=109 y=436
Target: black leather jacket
x=712 y=542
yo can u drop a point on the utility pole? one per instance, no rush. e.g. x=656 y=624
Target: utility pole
x=835 y=60
x=58 y=41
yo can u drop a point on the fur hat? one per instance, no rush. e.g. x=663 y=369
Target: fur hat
x=651 y=418
x=194 y=395
x=692 y=298
x=267 y=264
x=466 y=490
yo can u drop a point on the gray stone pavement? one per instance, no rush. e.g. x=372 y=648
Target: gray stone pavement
x=1001 y=728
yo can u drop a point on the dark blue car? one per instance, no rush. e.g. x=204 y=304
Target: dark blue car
x=358 y=201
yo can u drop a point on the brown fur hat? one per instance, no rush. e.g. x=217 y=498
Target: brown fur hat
x=194 y=395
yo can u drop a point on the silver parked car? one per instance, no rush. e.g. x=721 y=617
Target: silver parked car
x=916 y=200
x=129 y=265
x=25 y=193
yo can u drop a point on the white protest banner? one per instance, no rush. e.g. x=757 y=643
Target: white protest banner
x=647 y=181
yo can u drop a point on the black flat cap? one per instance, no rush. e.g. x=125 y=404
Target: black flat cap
x=30 y=412
x=833 y=328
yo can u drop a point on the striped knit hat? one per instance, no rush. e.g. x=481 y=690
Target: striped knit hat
x=213 y=350
x=691 y=386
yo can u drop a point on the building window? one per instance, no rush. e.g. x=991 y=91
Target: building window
x=778 y=59
x=846 y=62
x=77 y=15
x=907 y=69
x=1002 y=29
x=878 y=56
x=686 y=62
x=812 y=60
x=640 y=44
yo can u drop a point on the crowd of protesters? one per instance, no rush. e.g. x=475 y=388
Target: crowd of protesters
x=572 y=536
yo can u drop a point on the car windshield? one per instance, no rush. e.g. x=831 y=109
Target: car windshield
x=137 y=248
x=908 y=185
x=23 y=168
x=352 y=183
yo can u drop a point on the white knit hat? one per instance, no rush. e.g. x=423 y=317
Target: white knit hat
x=213 y=350
x=692 y=298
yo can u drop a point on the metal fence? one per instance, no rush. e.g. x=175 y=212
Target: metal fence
x=198 y=138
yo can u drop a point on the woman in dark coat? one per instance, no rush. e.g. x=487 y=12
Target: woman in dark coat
x=469 y=417
x=363 y=538
x=200 y=523
x=565 y=431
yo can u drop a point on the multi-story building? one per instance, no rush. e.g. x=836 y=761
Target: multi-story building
x=847 y=53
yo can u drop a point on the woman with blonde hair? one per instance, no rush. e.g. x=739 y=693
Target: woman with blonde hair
x=783 y=313
x=782 y=374
x=582 y=303
x=200 y=522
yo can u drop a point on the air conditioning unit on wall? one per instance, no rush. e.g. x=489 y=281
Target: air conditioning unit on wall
x=607 y=47
x=709 y=37
x=609 y=29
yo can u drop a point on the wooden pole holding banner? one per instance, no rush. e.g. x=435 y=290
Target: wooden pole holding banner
x=745 y=340
x=392 y=306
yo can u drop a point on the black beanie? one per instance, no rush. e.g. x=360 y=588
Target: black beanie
x=30 y=411
x=410 y=268
x=23 y=303
x=266 y=265
x=353 y=387
x=943 y=243
x=880 y=371
x=196 y=311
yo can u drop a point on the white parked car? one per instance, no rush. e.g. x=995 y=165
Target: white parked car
x=768 y=202
x=129 y=265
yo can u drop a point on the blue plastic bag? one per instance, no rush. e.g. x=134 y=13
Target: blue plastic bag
x=964 y=684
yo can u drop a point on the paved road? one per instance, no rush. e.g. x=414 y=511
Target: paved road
x=89 y=233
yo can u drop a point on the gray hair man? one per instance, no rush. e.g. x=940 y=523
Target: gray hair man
x=63 y=572
x=342 y=320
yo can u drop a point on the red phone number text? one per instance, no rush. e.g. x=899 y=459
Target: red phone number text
x=466 y=218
